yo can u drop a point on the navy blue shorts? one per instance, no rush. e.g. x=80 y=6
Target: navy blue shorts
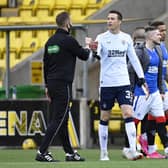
x=108 y=96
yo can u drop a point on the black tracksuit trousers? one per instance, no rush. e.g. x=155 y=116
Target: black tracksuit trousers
x=60 y=94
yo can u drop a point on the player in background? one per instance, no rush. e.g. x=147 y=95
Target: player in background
x=163 y=31
x=151 y=120
x=151 y=61
x=138 y=37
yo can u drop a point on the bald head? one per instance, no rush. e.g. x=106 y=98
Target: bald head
x=139 y=34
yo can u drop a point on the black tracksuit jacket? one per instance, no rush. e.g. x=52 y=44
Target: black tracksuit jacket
x=60 y=55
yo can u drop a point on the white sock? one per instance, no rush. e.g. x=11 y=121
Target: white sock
x=151 y=149
x=144 y=135
x=103 y=137
x=131 y=133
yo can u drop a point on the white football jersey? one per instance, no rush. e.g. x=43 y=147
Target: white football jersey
x=112 y=49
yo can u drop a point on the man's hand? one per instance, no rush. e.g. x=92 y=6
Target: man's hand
x=141 y=81
x=91 y=44
x=87 y=42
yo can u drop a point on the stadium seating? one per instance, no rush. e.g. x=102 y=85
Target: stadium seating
x=14 y=20
x=2 y=60
x=64 y=4
x=46 y=19
x=44 y=7
x=2 y=49
x=3 y=3
x=95 y=4
x=29 y=44
x=28 y=8
x=15 y=42
x=3 y=20
x=2 y=41
x=33 y=12
x=79 y=5
x=42 y=36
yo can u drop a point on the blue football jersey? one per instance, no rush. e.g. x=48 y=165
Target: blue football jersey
x=151 y=74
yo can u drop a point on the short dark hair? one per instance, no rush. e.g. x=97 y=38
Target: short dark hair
x=150 y=28
x=157 y=23
x=61 y=18
x=120 y=17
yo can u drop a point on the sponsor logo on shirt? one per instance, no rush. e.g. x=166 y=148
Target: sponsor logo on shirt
x=153 y=69
x=116 y=53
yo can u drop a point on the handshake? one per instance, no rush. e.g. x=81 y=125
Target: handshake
x=92 y=45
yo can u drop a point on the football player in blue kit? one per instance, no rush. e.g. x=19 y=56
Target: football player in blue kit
x=151 y=120
x=151 y=62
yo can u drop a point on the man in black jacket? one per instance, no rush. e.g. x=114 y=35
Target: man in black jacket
x=61 y=51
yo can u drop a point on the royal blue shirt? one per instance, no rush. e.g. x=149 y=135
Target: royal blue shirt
x=151 y=74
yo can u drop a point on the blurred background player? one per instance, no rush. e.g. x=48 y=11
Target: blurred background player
x=151 y=120
x=161 y=26
x=151 y=62
x=138 y=37
x=163 y=31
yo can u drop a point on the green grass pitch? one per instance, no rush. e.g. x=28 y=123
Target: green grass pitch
x=18 y=158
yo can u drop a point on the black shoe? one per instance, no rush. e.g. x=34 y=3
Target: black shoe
x=47 y=157
x=74 y=157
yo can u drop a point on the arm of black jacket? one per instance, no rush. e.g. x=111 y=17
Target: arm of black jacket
x=144 y=60
x=77 y=50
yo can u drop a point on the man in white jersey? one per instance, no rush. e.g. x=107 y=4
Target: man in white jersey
x=113 y=46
